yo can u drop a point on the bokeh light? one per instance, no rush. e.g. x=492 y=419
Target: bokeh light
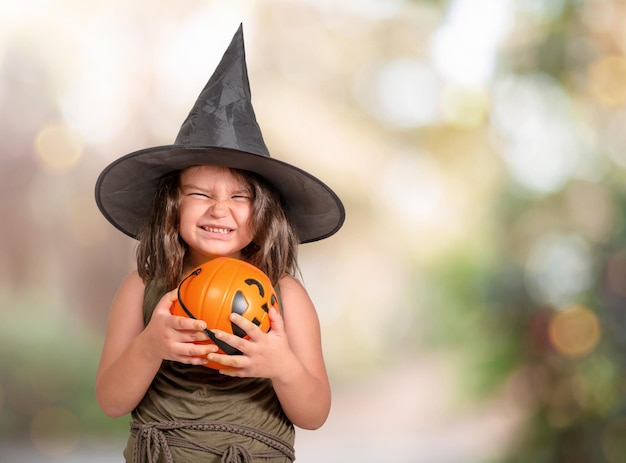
x=465 y=46
x=559 y=268
x=403 y=93
x=58 y=148
x=575 y=331
x=542 y=144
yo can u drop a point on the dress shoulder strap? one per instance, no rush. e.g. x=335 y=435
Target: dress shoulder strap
x=154 y=291
x=279 y=296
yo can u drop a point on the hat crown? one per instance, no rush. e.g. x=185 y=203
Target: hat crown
x=223 y=115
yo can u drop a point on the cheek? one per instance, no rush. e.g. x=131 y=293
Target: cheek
x=244 y=219
x=185 y=222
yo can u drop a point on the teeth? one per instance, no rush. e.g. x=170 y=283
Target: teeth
x=223 y=231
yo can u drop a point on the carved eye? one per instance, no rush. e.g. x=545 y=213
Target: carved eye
x=257 y=283
x=248 y=301
x=240 y=305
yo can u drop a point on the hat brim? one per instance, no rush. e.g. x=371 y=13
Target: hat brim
x=126 y=188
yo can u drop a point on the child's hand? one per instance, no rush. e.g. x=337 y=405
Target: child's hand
x=170 y=337
x=264 y=355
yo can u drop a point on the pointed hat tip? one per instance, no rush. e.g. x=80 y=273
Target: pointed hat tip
x=223 y=115
x=239 y=31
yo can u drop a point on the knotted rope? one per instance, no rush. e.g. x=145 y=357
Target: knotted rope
x=152 y=438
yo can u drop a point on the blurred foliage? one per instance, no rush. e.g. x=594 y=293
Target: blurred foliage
x=576 y=400
x=512 y=338
x=47 y=368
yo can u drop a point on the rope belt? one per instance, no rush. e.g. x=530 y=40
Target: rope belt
x=152 y=439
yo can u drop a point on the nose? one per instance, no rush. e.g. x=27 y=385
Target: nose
x=218 y=207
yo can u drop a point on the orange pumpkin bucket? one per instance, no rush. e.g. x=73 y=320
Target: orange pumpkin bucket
x=223 y=286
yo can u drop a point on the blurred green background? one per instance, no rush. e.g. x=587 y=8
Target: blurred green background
x=473 y=305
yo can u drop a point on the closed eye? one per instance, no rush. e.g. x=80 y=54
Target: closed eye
x=236 y=198
x=234 y=195
x=196 y=193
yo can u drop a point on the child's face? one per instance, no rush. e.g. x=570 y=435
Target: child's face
x=215 y=211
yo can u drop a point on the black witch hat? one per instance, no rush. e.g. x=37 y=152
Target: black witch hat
x=220 y=130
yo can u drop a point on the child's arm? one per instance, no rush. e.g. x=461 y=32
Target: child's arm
x=303 y=388
x=290 y=355
x=132 y=354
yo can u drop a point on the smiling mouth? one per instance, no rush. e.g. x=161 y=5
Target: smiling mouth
x=221 y=231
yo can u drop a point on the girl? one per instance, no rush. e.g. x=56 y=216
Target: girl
x=215 y=192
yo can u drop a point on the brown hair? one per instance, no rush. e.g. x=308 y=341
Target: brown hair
x=161 y=251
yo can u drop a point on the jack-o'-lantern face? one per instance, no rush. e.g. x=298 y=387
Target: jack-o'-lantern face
x=252 y=302
x=223 y=286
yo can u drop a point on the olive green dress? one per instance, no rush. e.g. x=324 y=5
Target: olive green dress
x=194 y=414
